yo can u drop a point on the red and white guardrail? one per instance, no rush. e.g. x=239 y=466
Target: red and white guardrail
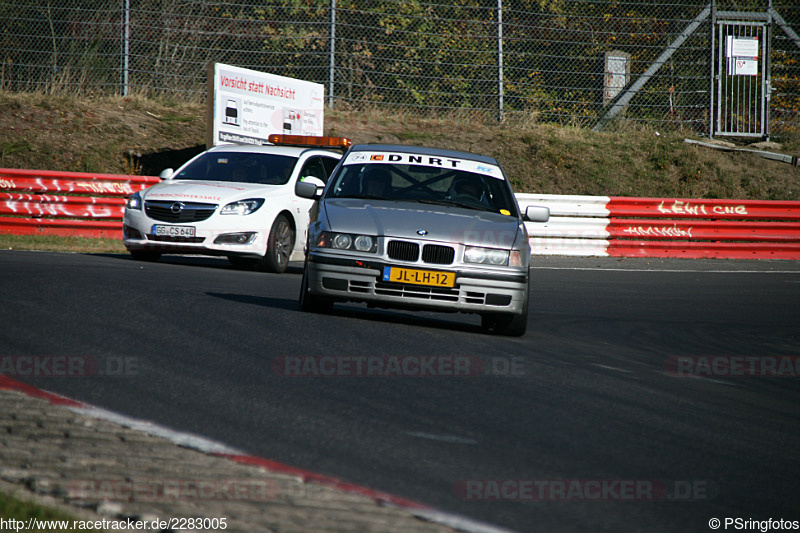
x=67 y=204
x=662 y=227
x=91 y=205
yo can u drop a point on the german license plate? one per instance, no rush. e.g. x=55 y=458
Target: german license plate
x=419 y=277
x=173 y=231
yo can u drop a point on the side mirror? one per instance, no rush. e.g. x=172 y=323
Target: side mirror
x=536 y=213
x=309 y=188
x=316 y=181
x=166 y=174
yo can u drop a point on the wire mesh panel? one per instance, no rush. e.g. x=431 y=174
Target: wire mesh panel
x=542 y=60
x=784 y=110
x=741 y=79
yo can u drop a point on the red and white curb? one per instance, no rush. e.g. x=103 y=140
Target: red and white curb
x=209 y=446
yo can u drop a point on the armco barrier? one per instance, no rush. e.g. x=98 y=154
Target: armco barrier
x=71 y=204
x=92 y=205
x=661 y=227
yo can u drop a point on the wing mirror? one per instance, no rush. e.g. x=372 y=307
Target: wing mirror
x=167 y=174
x=309 y=187
x=536 y=213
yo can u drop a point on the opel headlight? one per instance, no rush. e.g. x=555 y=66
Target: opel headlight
x=134 y=202
x=486 y=256
x=242 y=207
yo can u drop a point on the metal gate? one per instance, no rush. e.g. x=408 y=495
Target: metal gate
x=741 y=78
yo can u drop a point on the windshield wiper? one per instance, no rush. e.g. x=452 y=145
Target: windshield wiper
x=364 y=197
x=456 y=204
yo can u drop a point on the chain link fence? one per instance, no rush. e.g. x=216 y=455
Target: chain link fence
x=555 y=61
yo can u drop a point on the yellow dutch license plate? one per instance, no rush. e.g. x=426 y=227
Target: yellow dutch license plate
x=419 y=277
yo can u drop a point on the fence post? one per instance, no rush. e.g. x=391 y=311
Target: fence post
x=500 y=60
x=332 y=67
x=126 y=39
x=711 y=81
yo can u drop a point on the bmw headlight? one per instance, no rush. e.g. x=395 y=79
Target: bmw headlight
x=347 y=241
x=134 y=202
x=364 y=243
x=486 y=256
x=242 y=207
x=342 y=241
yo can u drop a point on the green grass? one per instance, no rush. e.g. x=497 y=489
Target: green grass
x=61 y=244
x=13 y=508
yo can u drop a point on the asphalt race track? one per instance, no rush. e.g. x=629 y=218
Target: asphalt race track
x=615 y=412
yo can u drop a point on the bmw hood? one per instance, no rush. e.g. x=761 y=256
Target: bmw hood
x=205 y=191
x=413 y=220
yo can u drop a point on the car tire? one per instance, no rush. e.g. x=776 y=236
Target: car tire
x=505 y=324
x=511 y=325
x=145 y=255
x=312 y=303
x=280 y=244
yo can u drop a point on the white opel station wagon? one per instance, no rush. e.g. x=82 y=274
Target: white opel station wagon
x=236 y=201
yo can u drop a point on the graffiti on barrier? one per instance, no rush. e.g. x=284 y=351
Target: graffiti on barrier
x=105 y=187
x=654 y=231
x=687 y=208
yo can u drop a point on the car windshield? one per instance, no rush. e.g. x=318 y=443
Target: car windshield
x=425 y=184
x=240 y=167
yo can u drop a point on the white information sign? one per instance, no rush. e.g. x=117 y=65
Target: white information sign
x=744 y=67
x=247 y=106
x=742 y=53
x=742 y=46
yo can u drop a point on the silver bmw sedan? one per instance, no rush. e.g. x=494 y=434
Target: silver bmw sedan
x=419 y=228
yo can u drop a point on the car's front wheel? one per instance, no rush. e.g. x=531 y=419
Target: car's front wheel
x=311 y=302
x=279 y=245
x=510 y=325
x=506 y=323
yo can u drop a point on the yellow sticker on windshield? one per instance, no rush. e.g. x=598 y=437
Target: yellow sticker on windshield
x=505 y=212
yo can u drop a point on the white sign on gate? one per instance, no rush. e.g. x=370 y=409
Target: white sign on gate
x=742 y=53
x=744 y=67
x=246 y=106
x=742 y=47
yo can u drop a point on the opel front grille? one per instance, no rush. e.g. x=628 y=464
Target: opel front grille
x=172 y=211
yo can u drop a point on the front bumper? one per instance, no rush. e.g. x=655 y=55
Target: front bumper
x=137 y=235
x=475 y=291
